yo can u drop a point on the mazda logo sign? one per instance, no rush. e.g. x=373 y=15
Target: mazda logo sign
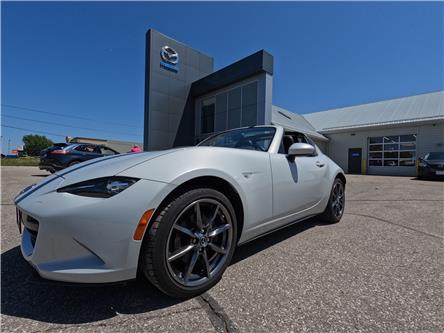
x=169 y=55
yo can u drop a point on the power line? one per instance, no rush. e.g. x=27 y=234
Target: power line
x=64 y=115
x=63 y=125
x=32 y=130
x=36 y=131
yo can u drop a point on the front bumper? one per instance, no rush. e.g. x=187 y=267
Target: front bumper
x=86 y=240
x=47 y=163
x=430 y=172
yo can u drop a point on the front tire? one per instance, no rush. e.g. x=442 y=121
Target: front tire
x=336 y=203
x=190 y=243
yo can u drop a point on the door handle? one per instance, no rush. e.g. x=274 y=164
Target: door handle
x=319 y=164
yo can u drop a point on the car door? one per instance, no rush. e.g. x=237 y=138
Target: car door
x=297 y=181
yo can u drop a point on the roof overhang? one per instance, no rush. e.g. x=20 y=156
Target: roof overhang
x=254 y=64
x=311 y=134
x=399 y=123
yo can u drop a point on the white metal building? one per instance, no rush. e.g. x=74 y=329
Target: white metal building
x=383 y=138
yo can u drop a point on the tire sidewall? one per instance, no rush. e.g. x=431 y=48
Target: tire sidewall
x=329 y=215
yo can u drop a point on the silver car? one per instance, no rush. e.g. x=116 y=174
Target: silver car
x=175 y=215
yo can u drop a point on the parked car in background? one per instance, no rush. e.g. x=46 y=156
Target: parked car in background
x=63 y=155
x=431 y=165
x=55 y=146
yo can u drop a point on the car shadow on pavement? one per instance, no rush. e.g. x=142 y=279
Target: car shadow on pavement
x=25 y=295
x=429 y=179
x=261 y=244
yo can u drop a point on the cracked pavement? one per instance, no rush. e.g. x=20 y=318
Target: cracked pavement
x=379 y=269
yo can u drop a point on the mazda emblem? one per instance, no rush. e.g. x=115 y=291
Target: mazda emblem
x=169 y=55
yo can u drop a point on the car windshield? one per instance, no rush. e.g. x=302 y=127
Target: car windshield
x=439 y=156
x=252 y=138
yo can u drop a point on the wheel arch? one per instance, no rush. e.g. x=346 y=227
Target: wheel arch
x=341 y=176
x=213 y=182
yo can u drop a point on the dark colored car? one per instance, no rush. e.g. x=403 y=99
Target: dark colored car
x=61 y=156
x=431 y=165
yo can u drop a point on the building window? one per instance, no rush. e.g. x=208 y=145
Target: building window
x=207 y=116
x=249 y=105
x=395 y=150
x=234 y=108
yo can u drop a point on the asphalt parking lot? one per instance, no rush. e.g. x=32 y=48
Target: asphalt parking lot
x=380 y=269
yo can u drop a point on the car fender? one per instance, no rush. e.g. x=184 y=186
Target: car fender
x=210 y=172
x=247 y=171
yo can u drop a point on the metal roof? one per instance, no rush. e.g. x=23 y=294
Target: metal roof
x=412 y=109
x=294 y=122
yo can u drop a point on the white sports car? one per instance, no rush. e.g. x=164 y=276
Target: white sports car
x=175 y=215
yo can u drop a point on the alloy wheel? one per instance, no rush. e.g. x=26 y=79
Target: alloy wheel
x=338 y=200
x=199 y=242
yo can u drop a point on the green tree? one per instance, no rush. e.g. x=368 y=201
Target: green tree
x=35 y=143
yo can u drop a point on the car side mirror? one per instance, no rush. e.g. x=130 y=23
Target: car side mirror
x=301 y=149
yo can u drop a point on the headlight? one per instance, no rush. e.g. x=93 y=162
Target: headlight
x=422 y=164
x=100 y=187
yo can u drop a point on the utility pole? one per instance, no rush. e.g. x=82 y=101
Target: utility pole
x=9 y=146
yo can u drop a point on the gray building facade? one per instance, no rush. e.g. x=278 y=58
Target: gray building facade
x=186 y=101
x=168 y=79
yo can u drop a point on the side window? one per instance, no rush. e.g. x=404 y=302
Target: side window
x=88 y=149
x=298 y=137
x=107 y=151
x=293 y=137
x=81 y=148
x=311 y=142
x=281 y=147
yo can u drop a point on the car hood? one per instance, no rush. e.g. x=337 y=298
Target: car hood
x=107 y=166
x=100 y=167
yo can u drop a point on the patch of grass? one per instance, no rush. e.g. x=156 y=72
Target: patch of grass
x=22 y=161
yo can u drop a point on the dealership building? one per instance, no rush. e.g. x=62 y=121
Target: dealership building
x=385 y=137
x=186 y=101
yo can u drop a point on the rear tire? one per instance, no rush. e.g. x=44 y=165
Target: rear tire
x=190 y=243
x=336 y=203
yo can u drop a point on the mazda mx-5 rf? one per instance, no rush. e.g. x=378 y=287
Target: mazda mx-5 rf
x=175 y=216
